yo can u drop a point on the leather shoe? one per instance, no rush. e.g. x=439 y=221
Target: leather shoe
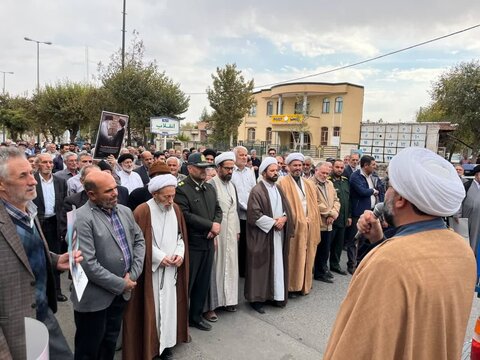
x=167 y=354
x=201 y=325
x=293 y=295
x=329 y=274
x=61 y=298
x=351 y=270
x=324 y=278
x=338 y=270
x=258 y=307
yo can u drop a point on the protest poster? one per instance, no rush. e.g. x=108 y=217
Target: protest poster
x=111 y=132
x=79 y=278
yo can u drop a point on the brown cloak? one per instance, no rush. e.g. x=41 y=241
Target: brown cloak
x=140 y=339
x=303 y=246
x=259 y=260
x=409 y=299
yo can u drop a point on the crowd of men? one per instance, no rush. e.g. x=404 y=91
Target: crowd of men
x=165 y=235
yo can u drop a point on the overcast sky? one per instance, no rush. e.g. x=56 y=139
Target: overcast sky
x=269 y=41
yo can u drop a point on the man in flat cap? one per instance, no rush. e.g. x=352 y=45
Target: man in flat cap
x=302 y=197
x=224 y=280
x=411 y=296
x=268 y=235
x=156 y=316
x=203 y=215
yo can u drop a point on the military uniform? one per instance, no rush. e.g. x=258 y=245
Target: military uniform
x=342 y=186
x=200 y=208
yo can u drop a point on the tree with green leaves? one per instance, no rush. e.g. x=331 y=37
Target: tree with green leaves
x=456 y=98
x=67 y=106
x=16 y=115
x=140 y=90
x=231 y=96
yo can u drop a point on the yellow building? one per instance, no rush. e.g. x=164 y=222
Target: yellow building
x=327 y=116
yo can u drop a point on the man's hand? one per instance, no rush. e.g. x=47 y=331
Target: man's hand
x=129 y=284
x=111 y=161
x=330 y=220
x=370 y=227
x=166 y=262
x=215 y=230
x=280 y=223
x=349 y=222
x=63 y=263
x=375 y=192
x=177 y=260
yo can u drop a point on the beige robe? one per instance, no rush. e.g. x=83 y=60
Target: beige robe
x=410 y=298
x=303 y=246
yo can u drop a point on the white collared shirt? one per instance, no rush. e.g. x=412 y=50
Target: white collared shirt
x=244 y=181
x=373 y=199
x=48 y=191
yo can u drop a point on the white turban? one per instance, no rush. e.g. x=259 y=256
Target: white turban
x=161 y=181
x=228 y=155
x=426 y=180
x=266 y=163
x=294 y=156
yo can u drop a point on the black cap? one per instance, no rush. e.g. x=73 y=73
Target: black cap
x=476 y=170
x=124 y=157
x=198 y=159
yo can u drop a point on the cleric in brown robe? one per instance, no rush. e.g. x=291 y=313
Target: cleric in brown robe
x=140 y=336
x=268 y=233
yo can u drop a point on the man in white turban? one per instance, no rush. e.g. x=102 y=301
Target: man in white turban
x=159 y=303
x=303 y=200
x=411 y=296
x=224 y=280
x=268 y=234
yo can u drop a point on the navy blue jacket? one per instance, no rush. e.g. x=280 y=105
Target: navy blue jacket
x=360 y=192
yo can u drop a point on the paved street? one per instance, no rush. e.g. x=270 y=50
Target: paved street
x=300 y=331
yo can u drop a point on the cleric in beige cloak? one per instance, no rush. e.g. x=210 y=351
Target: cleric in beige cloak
x=411 y=296
x=302 y=197
x=156 y=317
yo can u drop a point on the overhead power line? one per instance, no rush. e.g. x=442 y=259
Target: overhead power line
x=360 y=62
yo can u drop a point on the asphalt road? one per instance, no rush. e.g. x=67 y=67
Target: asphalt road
x=299 y=331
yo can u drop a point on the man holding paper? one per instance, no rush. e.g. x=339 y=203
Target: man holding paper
x=114 y=250
x=26 y=270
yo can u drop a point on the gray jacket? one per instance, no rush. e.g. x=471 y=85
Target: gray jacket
x=102 y=257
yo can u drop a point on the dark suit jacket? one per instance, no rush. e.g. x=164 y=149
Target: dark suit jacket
x=143 y=172
x=138 y=196
x=17 y=289
x=200 y=208
x=60 y=187
x=360 y=193
x=57 y=163
x=347 y=172
x=122 y=195
x=76 y=200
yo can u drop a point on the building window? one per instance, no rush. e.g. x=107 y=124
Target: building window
x=269 y=107
x=338 y=104
x=251 y=135
x=253 y=110
x=326 y=106
x=336 y=131
x=299 y=107
x=324 y=136
x=268 y=135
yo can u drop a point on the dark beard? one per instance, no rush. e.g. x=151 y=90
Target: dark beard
x=272 y=179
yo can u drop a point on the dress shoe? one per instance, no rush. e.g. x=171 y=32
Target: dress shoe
x=167 y=354
x=279 y=304
x=293 y=295
x=338 y=270
x=258 y=307
x=61 y=298
x=351 y=270
x=329 y=274
x=201 y=325
x=210 y=316
x=324 y=278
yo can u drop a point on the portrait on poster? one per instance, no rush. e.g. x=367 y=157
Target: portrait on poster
x=110 y=136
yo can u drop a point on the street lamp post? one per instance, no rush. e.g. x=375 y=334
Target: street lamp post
x=5 y=72
x=38 y=58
